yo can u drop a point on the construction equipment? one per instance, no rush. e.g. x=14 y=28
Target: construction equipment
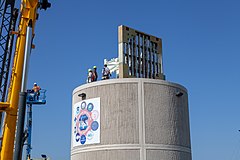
x=19 y=69
x=31 y=99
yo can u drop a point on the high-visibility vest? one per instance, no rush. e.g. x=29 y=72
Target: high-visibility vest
x=36 y=88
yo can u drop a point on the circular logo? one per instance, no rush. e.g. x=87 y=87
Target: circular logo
x=83 y=105
x=83 y=139
x=95 y=115
x=90 y=107
x=90 y=135
x=94 y=125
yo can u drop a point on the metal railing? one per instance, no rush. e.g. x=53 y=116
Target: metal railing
x=36 y=97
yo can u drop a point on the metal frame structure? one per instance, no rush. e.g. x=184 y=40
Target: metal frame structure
x=29 y=131
x=8 y=17
x=140 y=54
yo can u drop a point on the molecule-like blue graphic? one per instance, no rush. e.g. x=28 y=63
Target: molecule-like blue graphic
x=94 y=125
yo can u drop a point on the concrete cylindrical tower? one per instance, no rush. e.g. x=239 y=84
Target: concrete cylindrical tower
x=140 y=119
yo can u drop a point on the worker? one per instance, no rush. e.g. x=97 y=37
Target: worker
x=90 y=76
x=105 y=72
x=36 y=89
x=95 y=75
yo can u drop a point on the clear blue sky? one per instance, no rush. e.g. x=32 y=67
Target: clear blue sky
x=200 y=51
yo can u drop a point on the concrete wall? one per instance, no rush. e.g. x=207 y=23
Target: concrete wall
x=141 y=119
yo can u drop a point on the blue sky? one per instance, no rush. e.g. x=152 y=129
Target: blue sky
x=200 y=51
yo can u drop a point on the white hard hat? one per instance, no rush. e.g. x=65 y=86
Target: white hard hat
x=35 y=83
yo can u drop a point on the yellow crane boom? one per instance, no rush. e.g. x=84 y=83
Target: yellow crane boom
x=28 y=14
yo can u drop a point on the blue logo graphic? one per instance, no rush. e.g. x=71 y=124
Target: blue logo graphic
x=83 y=139
x=94 y=125
x=90 y=107
x=83 y=122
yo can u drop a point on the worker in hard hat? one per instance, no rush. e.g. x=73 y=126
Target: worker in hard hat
x=94 y=72
x=90 y=76
x=36 y=89
x=105 y=72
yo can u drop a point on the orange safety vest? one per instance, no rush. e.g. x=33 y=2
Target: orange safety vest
x=36 y=88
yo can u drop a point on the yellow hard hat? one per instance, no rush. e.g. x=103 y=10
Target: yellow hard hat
x=94 y=66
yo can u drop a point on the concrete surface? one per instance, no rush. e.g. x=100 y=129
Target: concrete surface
x=141 y=119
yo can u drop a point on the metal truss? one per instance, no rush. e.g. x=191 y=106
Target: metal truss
x=8 y=17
